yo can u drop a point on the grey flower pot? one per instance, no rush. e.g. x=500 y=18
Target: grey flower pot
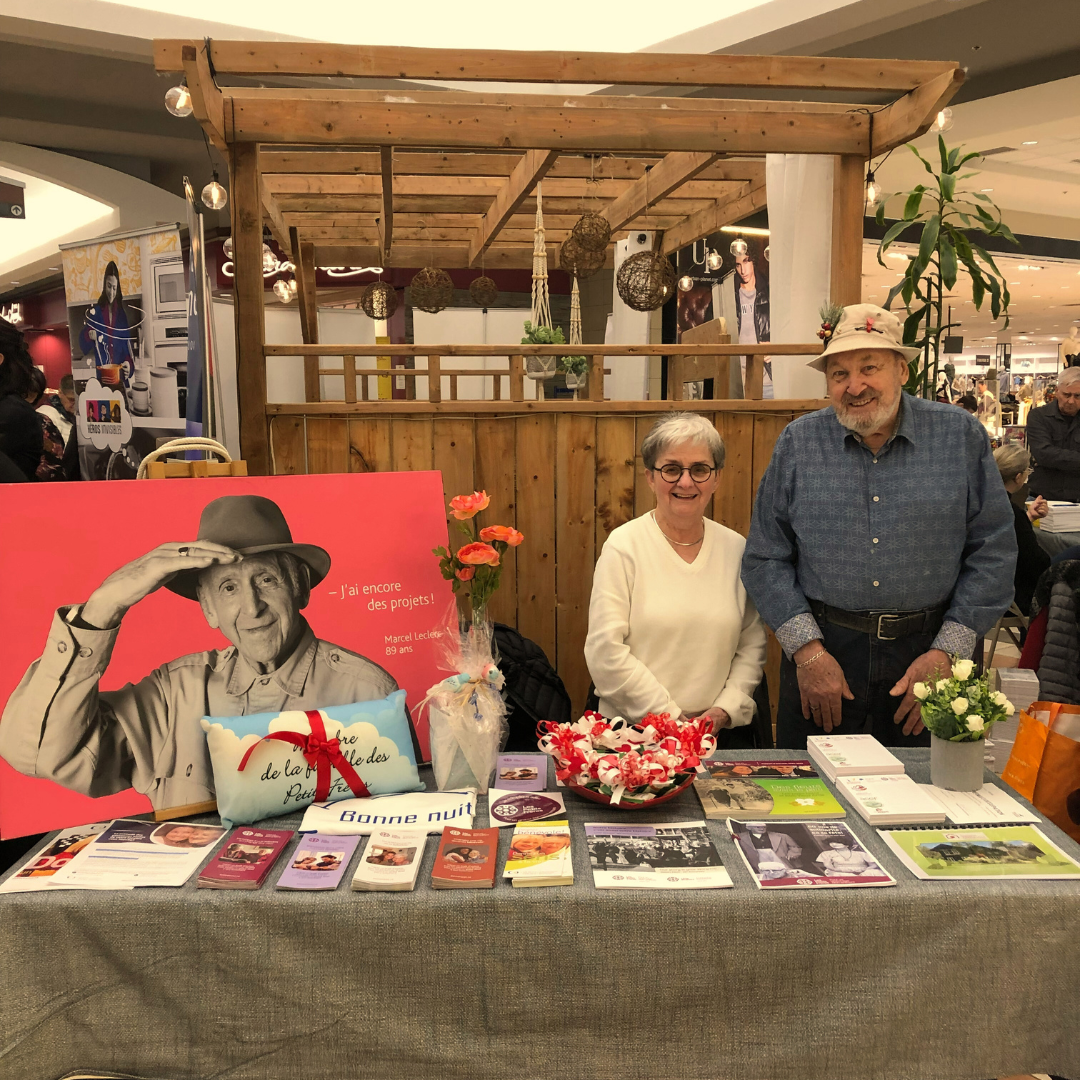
x=956 y=766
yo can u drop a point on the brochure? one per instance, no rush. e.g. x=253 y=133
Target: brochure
x=987 y=806
x=318 y=863
x=521 y=772
x=391 y=861
x=132 y=853
x=998 y=851
x=245 y=859
x=510 y=807
x=679 y=856
x=433 y=810
x=805 y=854
x=852 y=755
x=466 y=859
x=890 y=800
x=777 y=790
x=540 y=855
x=37 y=872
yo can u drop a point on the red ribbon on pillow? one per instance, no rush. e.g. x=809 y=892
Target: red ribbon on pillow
x=320 y=753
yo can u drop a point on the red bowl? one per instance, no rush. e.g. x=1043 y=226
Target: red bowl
x=595 y=796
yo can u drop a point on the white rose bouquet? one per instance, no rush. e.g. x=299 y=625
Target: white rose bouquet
x=961 y=707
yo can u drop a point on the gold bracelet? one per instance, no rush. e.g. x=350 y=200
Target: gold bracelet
x=816 y=656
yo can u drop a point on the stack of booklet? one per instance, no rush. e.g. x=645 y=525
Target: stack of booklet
x=891 y=800
x=852 y=755
x=540 y=855
x=755 y=790
x=1063 y=517
x=391 y=861
x=466 y=859
x=318 y=863
x=246 y=859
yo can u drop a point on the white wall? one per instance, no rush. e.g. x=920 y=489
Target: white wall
x=629 y=378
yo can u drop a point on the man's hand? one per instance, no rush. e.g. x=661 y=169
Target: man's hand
x=822 y=686
x=1038 y=509
x=928 y=668
x=125 y=587
x=719 y=718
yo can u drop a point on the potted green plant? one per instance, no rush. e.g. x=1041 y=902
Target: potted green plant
x=951 y=221
x=959 y=709
x=575 y=368
x=541 y=367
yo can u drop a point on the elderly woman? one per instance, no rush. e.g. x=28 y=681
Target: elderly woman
x=671 y=629
x=1014 y=464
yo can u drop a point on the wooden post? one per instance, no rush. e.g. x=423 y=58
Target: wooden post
x=849 y=199
x=453 y=388
x=304 y=261
x=517 y=378
x=434 y=379
x=348 y=364
x=496 y=386
x=250 y=311
x=596 y=378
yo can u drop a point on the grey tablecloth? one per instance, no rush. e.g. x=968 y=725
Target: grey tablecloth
x=959 y=980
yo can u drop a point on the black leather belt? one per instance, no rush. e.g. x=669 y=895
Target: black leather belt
x=884 y=625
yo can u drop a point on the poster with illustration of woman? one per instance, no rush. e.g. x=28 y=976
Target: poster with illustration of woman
x=106 y=334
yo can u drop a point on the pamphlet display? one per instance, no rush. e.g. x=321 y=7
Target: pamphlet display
x=521 y=772
x=997 y=851
x=756 y=790
x=391 y=861
x=510 y=807
x=431 y=810
x=680 y=856
x=36 y=874
x=245 y=859
x=540 y=855
x=988 y=806
x=318 y=863
x=806 y=854
x=466 y=859
x=852 y=755
x=891 y=799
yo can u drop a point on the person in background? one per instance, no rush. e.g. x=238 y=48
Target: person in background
x=20 y=430
x=671 y=628
x=1014 y=464
x=38 y=385
x=59 y=433
x=881 y=542
x=1053 y=437
x=969 y=404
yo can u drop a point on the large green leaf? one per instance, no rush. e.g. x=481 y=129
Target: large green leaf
x=947 y=186
x=967 y=157
x=893 y=232
x=893 y=293
x=926 y=164
x=948 y=261
x=879 y=217
x=944 y=154
x=914 y=203
x=911 y=325
x=927 y=245
x=954 y=153
x=978 y=289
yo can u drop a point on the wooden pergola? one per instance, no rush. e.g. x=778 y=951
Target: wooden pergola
x=415 y=176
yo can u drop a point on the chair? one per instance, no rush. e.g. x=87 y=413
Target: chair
x=1012 y=622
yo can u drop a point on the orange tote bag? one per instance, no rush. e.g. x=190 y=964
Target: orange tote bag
x=1044 y=765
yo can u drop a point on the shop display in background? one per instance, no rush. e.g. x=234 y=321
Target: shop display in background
x=128 y=322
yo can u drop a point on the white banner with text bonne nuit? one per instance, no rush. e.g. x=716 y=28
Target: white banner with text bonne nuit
x=431 y=810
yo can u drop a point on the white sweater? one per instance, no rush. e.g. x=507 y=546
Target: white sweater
x=670 y=636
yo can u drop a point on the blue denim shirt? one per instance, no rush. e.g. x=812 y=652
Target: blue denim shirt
x=923 y=521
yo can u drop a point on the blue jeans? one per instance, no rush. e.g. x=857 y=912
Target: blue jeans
x=872 y=668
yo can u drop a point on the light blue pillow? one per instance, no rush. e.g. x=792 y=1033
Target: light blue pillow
x=374 y=737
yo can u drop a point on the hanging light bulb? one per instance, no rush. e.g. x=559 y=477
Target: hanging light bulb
x=291 y=286
x=872 y=192
x=714 y=260
x=738 y=247
x=178 y=100
x=227 y=247
x=269 y=259
x=281 y=290
x=766 y=252
x=686 y=283
x=942 y=122
x=214 y=195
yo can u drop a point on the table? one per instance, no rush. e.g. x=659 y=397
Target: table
x=927 y=980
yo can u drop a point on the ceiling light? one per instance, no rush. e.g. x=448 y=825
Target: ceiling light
x=178 y=100
x=281 y=290
x=714 y=260
x=227 y=247
x=214 y=195
x=872 y=193
x=986 y=189
x=741 y=229
x=1030 y=142
x=942 y=122
x=738 y=248
x=686 y=283
x=898 y=255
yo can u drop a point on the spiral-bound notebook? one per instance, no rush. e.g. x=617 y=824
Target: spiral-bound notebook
x=990 y=851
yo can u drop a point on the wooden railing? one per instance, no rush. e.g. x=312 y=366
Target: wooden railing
x=358 y=397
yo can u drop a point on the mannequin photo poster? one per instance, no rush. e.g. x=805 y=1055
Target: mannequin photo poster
x=138 y=618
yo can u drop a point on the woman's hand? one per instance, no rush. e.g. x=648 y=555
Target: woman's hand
x=719 y=718
x=1038 y=509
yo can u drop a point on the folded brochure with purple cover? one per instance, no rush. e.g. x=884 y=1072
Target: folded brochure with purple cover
x=318 y=863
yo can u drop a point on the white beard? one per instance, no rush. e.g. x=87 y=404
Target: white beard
x=863 y=421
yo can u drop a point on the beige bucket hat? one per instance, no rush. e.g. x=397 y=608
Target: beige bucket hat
x=865 y=326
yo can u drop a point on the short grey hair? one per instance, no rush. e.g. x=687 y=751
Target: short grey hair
x=1011 y=460
x=1069 y=376
x=681 y=427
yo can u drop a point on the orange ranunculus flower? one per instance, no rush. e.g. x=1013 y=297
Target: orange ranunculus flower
x=464 y=507
x=502 y=532
x=465 y=573
x=478 y=555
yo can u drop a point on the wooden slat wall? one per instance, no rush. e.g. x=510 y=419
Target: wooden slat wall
x=566 y=480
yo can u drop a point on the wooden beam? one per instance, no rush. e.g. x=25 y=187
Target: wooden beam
x=911 y=116
x=657 y=182
x=748 y=200
x=582 y=124
x=848 y=209
x=592 y=68
x=249 y=310
x=304 y=260
x=775 y=348
x=527 y=173
x=447 y=255
x=272 y=210
x=206 y=99
x=330 y=219
x=472 y=408
x=386 y=218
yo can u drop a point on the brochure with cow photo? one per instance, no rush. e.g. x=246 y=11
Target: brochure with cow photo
x=756 y=790
x=677 y=856
x=806 y=854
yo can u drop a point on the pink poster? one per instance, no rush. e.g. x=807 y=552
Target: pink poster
x=337 y=597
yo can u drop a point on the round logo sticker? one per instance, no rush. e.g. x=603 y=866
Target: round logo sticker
x=523 y=806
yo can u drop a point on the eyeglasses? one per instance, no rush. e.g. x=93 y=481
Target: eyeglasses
x=699 y=472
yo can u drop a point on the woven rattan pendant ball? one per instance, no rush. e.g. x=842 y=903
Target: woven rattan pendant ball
x=579 y=261
x=646 y=281
x=484 y=292
x=431 y=290
x=379 y=300
x=592 y=232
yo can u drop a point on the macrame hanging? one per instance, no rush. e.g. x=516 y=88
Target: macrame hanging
x=540 y=367
x=379 y=300
x=573 y=379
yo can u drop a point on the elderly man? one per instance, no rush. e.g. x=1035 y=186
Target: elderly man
x=1053 y=437
x=252 y=582
x=881 y=541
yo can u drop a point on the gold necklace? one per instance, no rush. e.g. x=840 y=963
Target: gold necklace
x=680 y=543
